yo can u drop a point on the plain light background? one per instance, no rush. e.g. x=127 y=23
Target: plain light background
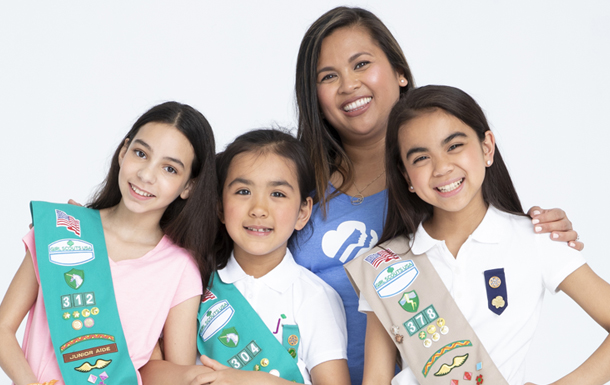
x=75 y=75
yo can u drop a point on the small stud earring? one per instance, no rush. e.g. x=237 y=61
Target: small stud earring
x=489 y=162
x=411 y=188
x=402 y=80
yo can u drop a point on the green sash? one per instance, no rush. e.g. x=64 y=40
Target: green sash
x=79 y=296
x=231 y=332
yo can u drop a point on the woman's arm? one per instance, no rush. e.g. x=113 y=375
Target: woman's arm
x=593 y=295
x=334 y=372
x=556 y=222
x=18 y=300
x=379 y=353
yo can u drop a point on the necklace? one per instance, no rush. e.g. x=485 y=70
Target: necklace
x=358 y=198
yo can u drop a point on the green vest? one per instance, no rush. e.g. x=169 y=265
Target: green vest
x=231 y=332
x=79 y=296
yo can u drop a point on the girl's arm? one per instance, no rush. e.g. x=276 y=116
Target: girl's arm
x=17 y=302
x=180 y=331
x=556 y=222
x=180 y=348
x=332 y=372
x=379 y=353
x=592 y=294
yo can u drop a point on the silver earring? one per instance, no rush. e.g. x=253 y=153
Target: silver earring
x=411 y=188
x=402 y=80
x=489 y=162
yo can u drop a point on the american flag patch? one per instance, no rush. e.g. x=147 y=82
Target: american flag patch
x=380 y=257
x=207 y=296
x=67 y=221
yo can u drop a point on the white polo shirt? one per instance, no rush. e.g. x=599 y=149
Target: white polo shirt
x=304 y=299
x=532 y=263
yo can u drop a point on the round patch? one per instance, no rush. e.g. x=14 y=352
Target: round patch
x=436 y=337
x=264 y=362
x=422 y=335
x=293 y=353
x=440 y=322
x=275 y=372
x=76 y=314
x=257 y=368
x=66 y=315
x=95 y=311
x=77 y=324
x=444 y=330
x=495 y=282
x=293 y=340
x=431 y=329
x=89 y=322
x=427 y=342
x=85 y=312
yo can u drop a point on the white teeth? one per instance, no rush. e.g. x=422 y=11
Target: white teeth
x=258 y=230
x=357 y=104
x=451 y=186
x=140 y=192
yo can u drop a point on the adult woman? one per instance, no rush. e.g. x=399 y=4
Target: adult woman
x=350 y=72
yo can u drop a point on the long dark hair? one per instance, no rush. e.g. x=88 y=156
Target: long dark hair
x=320 y=138
x=262 y=141
x=405 y=210
x=189 y=223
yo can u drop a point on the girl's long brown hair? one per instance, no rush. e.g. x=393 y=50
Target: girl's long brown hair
x=189 y=223
x=407 y=210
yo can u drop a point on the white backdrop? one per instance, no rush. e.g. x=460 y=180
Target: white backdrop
x=75 y=75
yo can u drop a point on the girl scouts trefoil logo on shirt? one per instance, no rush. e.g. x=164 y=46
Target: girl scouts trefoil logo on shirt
x=395 y=278
x=70 y=252
x=217 y=316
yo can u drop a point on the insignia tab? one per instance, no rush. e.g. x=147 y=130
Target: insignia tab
x=497 y=296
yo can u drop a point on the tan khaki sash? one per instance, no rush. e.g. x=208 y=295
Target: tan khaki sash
x=427 y=327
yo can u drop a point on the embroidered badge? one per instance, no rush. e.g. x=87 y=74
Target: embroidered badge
x=382 y=256
x=409 y=301
x=75 y=278
x=87 y=367
x=454 y=382
x=479 y=379
x=217 y=316
x=421 y=320
x=91 y=352
x=479 y=366
x=244 y=357
x=468 y=376
x=67 y=221
x=229 y=337
x=70 y=252
x=207 y=296
x=445 y=349
x=395 y=278
x=103 y=376
x=92 y=379
x=86 y=337
x=293 y=353
x=457 y=362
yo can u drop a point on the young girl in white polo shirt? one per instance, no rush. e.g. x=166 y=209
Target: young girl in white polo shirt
x=264 y=319
x=458 y=281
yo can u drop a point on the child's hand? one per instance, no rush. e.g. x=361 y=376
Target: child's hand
x=556 y=222
x=224 y=375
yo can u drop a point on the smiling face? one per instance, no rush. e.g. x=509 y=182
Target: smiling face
x=445 y=161
x=357 y=86
x=261 y=205
x=155 y=168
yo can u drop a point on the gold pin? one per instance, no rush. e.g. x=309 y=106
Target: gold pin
x=495 y=282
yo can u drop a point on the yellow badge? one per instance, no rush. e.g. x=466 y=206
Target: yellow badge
x=498 y=302
x=264 y=362
x=293 y=340
x=495 y=282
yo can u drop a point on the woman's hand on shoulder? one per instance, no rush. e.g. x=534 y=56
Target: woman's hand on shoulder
x=556 y=222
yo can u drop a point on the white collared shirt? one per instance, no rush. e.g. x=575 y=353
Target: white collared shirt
x=304 y=299
x=532 y=263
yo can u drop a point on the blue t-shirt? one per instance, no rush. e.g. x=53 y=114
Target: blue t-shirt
x=327 y=244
